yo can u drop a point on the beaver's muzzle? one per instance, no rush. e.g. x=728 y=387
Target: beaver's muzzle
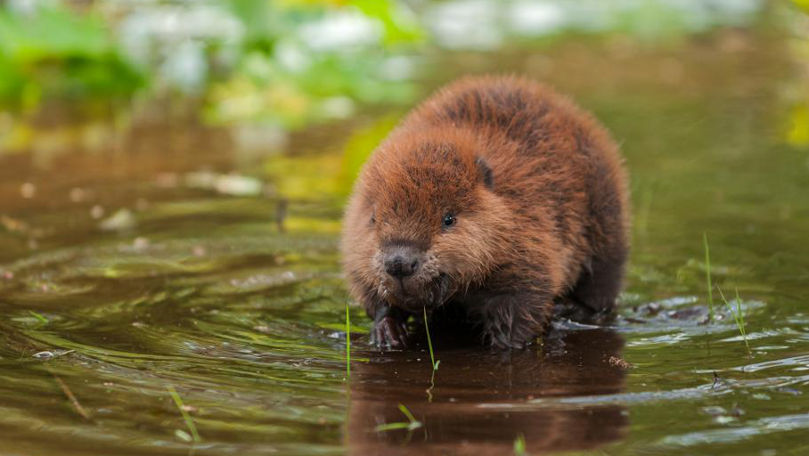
x=401 y=261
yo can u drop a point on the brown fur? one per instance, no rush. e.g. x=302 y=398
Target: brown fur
x=539 y=196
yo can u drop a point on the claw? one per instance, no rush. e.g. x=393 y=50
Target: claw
x=389 y=333
x=500 y=340
x=504 y=340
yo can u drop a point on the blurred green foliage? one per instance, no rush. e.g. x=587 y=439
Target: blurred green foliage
x=318 y=84
x=330 y=176
x=803 y=4
x=56 y=52
x=359 y=146
x=290 y=63
x=261 y=90
x=272 y=76
x=398 y=27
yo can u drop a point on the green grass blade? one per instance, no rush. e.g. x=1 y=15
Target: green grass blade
x=391 y=427
x=348 y=342
x=407 y=413
x=519 y=445
x=189 y=422
x=41 y=318
x=429 y=341
x=412 y=423
x=742 y=325
x=708 y=276
x=738 y=317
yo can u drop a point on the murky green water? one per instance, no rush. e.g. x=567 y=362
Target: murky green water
x=139 y=265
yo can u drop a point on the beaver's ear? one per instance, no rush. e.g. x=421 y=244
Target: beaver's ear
x=484 y=172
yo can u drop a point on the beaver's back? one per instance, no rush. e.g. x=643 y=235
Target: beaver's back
x=550 y=160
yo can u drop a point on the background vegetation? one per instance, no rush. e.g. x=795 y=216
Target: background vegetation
x=290 y=63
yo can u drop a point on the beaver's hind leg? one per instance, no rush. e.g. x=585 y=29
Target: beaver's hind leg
x=598 y=286
x=599 y=282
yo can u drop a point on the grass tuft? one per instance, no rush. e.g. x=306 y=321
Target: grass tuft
x=411 y=424
x=189 y=422
x=708 y=276
x=738 y=317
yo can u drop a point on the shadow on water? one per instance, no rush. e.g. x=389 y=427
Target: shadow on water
x=475 y=403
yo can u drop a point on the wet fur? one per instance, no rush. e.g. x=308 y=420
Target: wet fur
x=542 y=210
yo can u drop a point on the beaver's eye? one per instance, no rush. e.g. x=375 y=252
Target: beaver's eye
x=373 y=219
x=449 y=220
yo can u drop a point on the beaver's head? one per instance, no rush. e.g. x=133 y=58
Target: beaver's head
x=425 y=222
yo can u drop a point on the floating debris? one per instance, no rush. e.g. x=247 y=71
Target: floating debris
x=96 y=212
x=28 y=190
x=142 y=204
x=140 y=243
x=81 y=411
x=13 y=225
x=281 y=214
x=167 y=180
x=77 y=195
x=616 y=361
x=231 y=184
x=182 y=435
x=121 y=220
x=227 y=184
x=50 y=354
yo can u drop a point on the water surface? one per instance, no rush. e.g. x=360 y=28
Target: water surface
x=146 y=257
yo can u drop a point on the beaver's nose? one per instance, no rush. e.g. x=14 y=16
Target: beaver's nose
x=401 y=261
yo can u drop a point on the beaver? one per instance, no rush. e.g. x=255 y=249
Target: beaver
x=497 y=196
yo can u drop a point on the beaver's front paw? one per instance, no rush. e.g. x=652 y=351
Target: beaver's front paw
x=390 y=333
x=513 y=321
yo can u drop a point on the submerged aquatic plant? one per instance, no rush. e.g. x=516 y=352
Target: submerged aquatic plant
x=189 y=422
x=708 y=276
x=738 y=317
x=411 y=424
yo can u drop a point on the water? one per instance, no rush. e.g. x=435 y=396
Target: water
x=134 y=260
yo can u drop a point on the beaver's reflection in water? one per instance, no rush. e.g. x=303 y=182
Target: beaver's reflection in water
x=483 y=400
